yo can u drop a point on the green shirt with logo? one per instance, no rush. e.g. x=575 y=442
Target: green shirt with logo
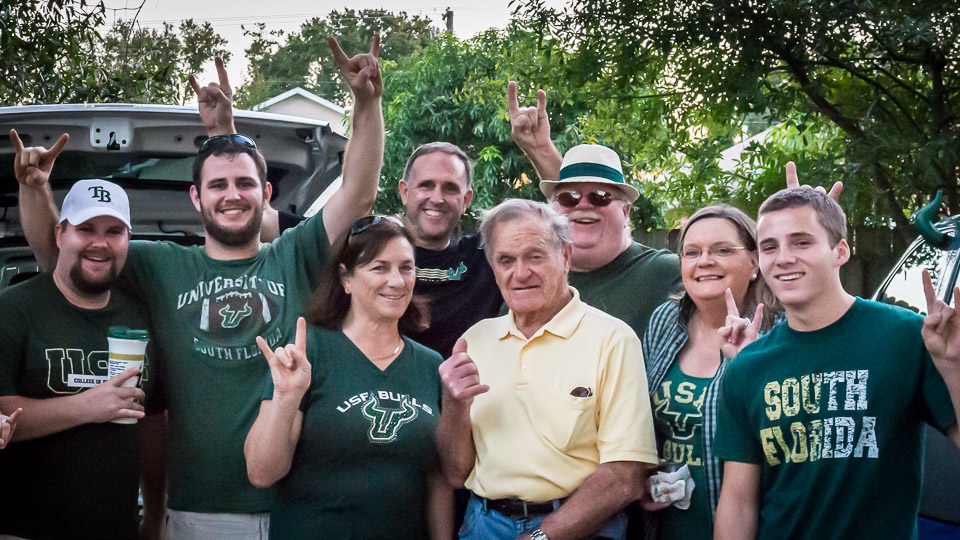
x=632 y=285
x=678 y=421
x=207 y=315
x=81 y=482
x=834 y=417
x=366 y=445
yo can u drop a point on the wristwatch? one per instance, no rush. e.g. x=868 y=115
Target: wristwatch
x=537 y=534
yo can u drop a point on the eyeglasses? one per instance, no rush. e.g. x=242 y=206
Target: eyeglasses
x=599 y=198
x=366 y=222
x=716 y=251
x=219 y=140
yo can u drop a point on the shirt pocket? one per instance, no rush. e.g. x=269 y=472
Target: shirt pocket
x=563 y=420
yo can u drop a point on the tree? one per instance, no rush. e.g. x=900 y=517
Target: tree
x=455 y=91
x=880 y=77
x=52 y=52
x=304 y=58
x=145 y=65
x=45 y=49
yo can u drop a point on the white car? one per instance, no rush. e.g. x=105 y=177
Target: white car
x=149 y=151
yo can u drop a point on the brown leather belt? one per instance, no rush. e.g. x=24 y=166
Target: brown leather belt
x=516 y=507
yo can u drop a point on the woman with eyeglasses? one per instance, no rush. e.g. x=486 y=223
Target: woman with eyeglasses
x=347 y=423
x=685 y=354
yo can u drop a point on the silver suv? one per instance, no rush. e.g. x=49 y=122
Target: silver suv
x=937 y=250
x=149 y=151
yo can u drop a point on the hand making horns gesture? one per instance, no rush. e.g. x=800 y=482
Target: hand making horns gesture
x=289 y=368
x=738 y=331
x=362 y=72
x=215 y=102
x=32 y=165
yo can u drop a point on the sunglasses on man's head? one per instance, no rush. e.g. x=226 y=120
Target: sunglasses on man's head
x=598 y=198
x=366 y=222
x=220 y=140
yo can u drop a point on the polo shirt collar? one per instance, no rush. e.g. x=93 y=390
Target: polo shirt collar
x=561 y=325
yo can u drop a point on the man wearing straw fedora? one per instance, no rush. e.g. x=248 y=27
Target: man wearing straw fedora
x=612 y=272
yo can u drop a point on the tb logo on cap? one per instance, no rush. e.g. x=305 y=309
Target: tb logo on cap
x=100 y=193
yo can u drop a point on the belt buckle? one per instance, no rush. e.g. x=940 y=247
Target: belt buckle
x=526 y=514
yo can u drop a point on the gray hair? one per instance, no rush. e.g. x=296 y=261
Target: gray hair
x=515 y=209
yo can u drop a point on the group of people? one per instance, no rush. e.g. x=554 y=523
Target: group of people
x=344 y=378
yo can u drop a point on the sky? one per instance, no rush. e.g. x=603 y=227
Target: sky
x=228 y=18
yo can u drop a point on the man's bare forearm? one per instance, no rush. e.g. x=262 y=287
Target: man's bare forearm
x=38 y=217
x=42 y=417
x=610 y=488
x=455 y=442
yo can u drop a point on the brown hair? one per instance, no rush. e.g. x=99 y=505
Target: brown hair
x=829 y=214
x=231 y=149
x=757 y=292
x=446 y=148
x=330 y=303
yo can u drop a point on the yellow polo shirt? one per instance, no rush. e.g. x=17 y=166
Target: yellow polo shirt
x=536 y=440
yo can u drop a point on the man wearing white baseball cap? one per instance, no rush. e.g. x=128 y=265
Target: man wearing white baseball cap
x=53 y=366
x=614 y=273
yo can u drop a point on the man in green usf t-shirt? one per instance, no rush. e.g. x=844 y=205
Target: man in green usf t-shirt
x=210 y=302
x=820 y=421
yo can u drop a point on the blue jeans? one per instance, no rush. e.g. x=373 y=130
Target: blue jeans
x=480 y=523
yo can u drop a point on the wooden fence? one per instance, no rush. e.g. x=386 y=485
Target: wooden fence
x=875 y=252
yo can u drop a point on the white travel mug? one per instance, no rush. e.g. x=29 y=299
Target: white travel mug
x=127 y=350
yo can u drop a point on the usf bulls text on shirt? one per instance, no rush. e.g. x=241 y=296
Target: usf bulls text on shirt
x=834 y=417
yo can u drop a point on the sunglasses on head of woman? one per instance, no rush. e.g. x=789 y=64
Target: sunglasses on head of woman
x=366 y=222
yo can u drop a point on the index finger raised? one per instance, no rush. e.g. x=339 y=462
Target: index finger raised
x=194 y=84
x=928 y=292
x=792 y=181
x=222 y=75
x=375 y=45
x=732 y=309
x=541 y=103
x=339 y=57
x=300 y=342
x=264 y=348
x=15 y=140
x=512 y=105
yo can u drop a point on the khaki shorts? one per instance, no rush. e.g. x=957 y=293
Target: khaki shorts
x=198 y=526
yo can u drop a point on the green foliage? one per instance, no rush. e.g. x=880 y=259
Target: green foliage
x=866 y=91
x=45 y=49
x=53 y=52
x=455 y=90
x=144 y=65
x=304 y=59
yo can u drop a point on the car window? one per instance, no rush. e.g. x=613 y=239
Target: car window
x=905 y=287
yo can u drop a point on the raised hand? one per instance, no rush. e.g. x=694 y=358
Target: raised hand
x=738 y=332
x=362 y=72
x=111 y=400
x=941 y=330
x=460 y=375
x=32 y=165
x=8 y=424
x=289 y=367
x=793 y=182
x=529 y=126
x=215 y=102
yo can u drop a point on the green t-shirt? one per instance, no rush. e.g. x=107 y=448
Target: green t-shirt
x=366 y=445
x=631 y=286
x=678 y=421
x=82 y=482
x=207 y=315
x=835 y=417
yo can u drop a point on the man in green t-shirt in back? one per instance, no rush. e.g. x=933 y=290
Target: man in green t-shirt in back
x=821 y=420
x=210 y=302
x=614 y=273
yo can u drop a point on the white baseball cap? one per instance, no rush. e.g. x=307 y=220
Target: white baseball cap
x=88 y=199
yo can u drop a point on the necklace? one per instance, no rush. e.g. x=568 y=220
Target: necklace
x=390 y=355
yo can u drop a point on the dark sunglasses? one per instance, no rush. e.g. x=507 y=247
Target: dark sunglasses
x=366 y=222
x=220 y=140
x=598 y=198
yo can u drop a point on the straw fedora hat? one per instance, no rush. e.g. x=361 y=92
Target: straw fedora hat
x=590 y=163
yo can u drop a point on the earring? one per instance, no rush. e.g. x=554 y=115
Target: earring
x=754 y=276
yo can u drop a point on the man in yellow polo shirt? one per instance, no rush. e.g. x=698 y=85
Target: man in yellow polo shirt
x=554 y=442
